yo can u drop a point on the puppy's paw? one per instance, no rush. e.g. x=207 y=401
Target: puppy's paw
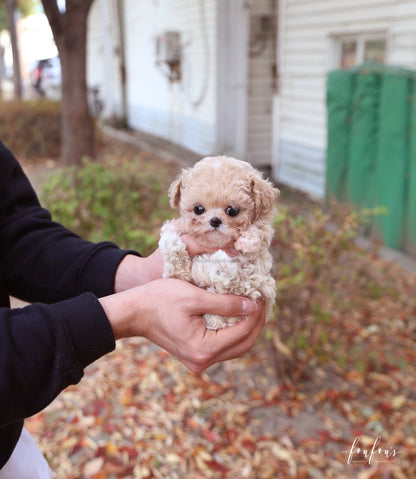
x=177 y=262
x=172 y=226
x=247 y=244
x=170 y=242
x=250 y=241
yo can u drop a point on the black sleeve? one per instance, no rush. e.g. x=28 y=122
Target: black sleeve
x=45 y=347
x=40 y=259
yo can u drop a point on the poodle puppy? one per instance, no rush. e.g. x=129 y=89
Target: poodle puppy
x=224 y=204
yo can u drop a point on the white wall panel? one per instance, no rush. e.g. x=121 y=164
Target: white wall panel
x=156 y=105
x=260 y=93
x=103 y=55
x=308 y=29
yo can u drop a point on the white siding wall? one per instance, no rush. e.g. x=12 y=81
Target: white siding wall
x=307 y=32
x=232 y=40
x=95 y=53
x=103 y=61
x=260 y=93
x=154 y=104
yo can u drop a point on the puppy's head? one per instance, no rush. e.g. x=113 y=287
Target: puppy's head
x=220 y=197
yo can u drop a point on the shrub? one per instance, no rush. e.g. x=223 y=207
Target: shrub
x=324 y=282
x=115 y=201
x=31 y=128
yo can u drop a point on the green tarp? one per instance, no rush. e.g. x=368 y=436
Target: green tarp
x=363 y=139
x=392 y=157
x=371 y=152
x=411 y=205
x=339 y=93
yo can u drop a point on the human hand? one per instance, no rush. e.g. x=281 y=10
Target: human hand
x=169 y=312
x=194 y=248
x=134 y=270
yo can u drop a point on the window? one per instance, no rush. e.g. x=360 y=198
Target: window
x=348 y=54
x=353 y=50
x=375 y=51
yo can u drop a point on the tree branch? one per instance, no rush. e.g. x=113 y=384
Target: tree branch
x=55 y=17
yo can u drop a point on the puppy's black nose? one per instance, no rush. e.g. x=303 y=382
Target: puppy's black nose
x=215 y=222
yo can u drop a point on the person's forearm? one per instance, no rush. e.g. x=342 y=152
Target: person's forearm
x=134 y=271
x=121 y=311
x=44 y=348
x=41 y=260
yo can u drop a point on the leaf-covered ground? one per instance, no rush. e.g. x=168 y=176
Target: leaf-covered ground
x=138 y=413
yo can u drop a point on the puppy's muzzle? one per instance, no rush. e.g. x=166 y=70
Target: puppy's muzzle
x=215 y=222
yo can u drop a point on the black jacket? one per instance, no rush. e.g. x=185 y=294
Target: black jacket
x=45 y=347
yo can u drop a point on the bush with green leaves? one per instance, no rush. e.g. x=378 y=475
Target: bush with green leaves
x=116 y=201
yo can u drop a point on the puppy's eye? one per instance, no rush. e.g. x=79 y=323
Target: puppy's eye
x=232 y=211
x=199 y=210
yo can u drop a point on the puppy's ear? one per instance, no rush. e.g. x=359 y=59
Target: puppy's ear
x=175 y=192
x=264 y=195
x=178 y=185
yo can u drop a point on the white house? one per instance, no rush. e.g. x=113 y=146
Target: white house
x=220 y=99
x=242 y=77
x=316 y=37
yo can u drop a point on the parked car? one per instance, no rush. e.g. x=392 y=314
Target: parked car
x=46 y=77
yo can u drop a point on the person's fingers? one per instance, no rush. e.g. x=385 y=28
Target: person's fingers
x=224 y=304
x=242 y=334
x=231 y=352
x=194 y=248
x=228 y=343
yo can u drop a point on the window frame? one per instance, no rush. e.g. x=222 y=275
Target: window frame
x=360 y=39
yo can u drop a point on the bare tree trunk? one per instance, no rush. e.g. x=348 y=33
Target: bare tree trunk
x=1 y=71
x=70 y=32
x=17 y=74
x=77 y=126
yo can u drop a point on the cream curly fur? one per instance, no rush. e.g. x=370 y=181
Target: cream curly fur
x=223 y=203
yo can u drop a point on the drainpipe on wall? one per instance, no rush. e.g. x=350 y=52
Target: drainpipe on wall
x=122 y=52
x=275 y=36
x=277 y=9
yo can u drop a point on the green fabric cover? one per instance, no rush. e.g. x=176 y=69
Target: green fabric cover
x=371 y=148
